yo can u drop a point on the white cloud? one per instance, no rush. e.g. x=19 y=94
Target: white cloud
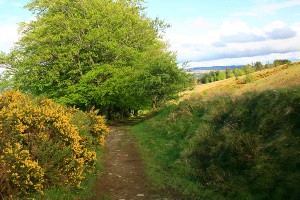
x=230 y=27
x=247 y=60
x=8 y=36
x=235 y=39
x=275 y=6
x=281 y=33
x=198 y=23
x=267 y=7
x=296 y=27
x=274 y=25
x=9 y=32
x=273 y=31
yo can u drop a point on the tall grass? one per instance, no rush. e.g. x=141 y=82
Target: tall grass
x=226 y=148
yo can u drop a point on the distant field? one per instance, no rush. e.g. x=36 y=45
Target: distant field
x=200 y=71
x=278 y=77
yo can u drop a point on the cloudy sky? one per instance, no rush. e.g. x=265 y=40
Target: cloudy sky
x=229 y=32
x=206 y=32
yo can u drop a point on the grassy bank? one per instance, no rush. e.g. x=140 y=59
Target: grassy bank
x=244 y=147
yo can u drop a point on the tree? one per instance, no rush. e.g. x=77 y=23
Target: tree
x=161 y=77
x=204 y=78
x=268 y=66
x=248 y=69
x=228 y=72
x=281 y=62
x=4 y=66
x=221 y=75
x=93 y=53
x=258 y=66
x=238 y=72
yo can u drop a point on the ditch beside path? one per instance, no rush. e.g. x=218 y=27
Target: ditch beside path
x=124 y=177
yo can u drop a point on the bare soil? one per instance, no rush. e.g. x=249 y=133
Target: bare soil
x=124 y=177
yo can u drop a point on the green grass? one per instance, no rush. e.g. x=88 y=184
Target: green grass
x=242 y=147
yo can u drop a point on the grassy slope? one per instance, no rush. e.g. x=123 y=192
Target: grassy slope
x=279 y=77
x=239 y=147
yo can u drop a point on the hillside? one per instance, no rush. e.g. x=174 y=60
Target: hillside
x=229 y=139
x=201 y=70
x=278 y=77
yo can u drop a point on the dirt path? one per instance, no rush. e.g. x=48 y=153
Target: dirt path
x=124 y=176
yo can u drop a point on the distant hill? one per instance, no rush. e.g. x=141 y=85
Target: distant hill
x=212 y=68
x=277 y=77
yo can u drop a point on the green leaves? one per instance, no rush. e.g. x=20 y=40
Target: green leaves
x=99 y=52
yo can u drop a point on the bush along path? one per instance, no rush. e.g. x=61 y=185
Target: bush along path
x=124 y=176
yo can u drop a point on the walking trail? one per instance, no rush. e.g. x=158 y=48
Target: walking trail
x=124 y=177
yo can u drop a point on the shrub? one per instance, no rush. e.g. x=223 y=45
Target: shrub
x=20 y=174
x=238 y=72
x=250 y=146
x=249 y=78
x=42 y=145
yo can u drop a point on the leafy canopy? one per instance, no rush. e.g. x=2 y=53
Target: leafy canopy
x=103 y=53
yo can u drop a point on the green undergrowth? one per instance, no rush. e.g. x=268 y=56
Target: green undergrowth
x=245 y=147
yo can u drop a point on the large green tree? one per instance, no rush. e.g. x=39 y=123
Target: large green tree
x=103 y=53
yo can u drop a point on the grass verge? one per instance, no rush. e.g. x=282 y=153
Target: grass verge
x=244 y=147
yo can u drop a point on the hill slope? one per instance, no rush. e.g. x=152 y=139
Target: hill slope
x=242 y=145
x=274 y=78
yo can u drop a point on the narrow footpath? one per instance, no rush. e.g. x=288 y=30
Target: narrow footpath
x=124 y=177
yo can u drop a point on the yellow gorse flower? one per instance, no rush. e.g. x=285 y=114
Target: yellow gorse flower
x=24 y=174
x=30 y=129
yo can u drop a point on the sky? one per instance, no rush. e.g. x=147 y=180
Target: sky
x=205 y=32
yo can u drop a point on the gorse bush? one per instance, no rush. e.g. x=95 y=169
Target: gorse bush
x=44 y=144
x=249 y=78
x=20 y=174
x=229 y=148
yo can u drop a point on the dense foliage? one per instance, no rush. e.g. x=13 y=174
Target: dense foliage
x=278 y=62
x=227 y=148
x=44 y=144
x=101 y=53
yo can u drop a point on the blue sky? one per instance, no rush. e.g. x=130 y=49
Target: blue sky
x=206 y=32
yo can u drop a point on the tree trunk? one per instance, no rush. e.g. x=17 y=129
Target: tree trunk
x=136 y=113
x=109 y=114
